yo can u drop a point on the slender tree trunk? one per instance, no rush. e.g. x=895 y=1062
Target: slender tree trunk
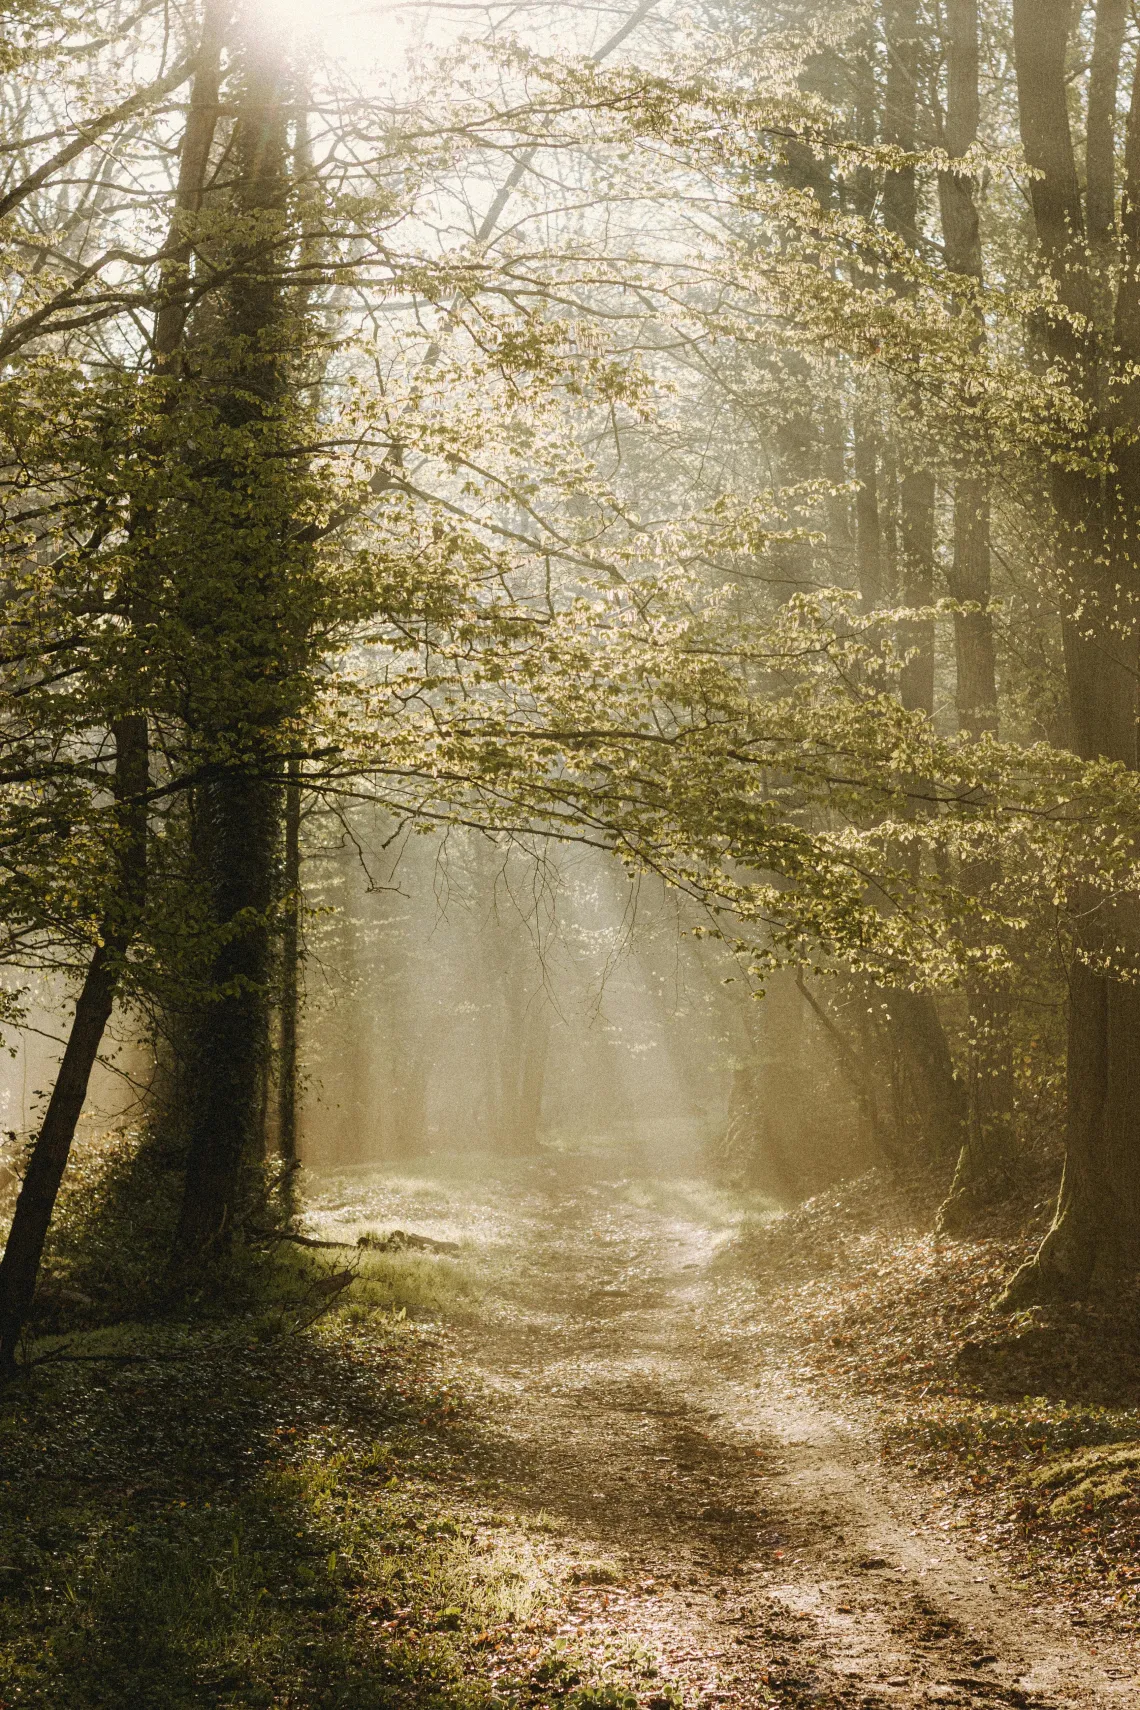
x=521 y=1046
x=39 y=1190
x=858 y=1069
x=900 y=116
x=976 y=695
x=985 y=1165
x=868 y=529
x=983 y=1170
x=859 y=63
x=961 y=233
x=916 y=635
x=35 y=1206
x=936 y=1093
x=936 y=1096
x=290 y=984
x=916 y=488
x=20 y=1265
x=532 y=1077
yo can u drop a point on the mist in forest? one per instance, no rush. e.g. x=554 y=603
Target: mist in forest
x=464 y=995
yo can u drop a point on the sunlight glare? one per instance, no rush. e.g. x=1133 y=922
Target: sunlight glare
x=355 y=30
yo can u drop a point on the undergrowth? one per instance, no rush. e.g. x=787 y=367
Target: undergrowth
x=257 y=1507
x=242 y=1519
x=1006 y=1414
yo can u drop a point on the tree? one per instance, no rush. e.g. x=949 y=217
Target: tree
x=355 y=505
x=1096 y=1232
x=125 y=899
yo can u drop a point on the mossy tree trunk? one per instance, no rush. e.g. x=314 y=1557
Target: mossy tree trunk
x=247 y=612
x=47 y=1163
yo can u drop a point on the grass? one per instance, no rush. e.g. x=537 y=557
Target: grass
x=413 y=1283
x=273 y=1500
x=229 y=1516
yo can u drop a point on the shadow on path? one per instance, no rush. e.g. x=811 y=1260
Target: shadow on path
x=711 y=1509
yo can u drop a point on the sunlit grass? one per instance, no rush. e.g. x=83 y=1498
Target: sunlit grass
x=244 y=1516
x=411 y=1282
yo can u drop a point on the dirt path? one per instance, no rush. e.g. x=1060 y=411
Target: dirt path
x=760 y=1551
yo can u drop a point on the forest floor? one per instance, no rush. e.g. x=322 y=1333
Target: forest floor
x=714 y=1416
x=633 y=1445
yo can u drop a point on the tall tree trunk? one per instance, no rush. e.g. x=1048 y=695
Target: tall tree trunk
x=916 y=635
x=868 y=529
x=239 y=815
x=193 y=170
x=1096 y=1228
x=239 y=804
x=916 y=490
x=35 y=1206
x=934 y=1091
x=1100 y=136
x=961 y=233
x=984 y=1163
x=290 y=986
x=976 y=683
x=900 y=116
x=39 y=1190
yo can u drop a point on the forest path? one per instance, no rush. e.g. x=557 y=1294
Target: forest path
x=637 y=1396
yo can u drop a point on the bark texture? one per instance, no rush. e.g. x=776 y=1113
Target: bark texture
x=47 y=1164
x=239 y=823
x=930 y=1100
x=290 y=984
x=983 y=1170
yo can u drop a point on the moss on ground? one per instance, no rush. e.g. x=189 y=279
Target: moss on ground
x=1094 y=1479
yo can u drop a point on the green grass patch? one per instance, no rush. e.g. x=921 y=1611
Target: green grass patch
x=1060 y=1482
x=259 y=1509
x=412 y=1282
x=1090 y=1481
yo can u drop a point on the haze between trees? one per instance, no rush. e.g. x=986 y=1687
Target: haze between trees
x=706 y=438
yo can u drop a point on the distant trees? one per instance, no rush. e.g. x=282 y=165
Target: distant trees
x=756 y=503
x=955 y=384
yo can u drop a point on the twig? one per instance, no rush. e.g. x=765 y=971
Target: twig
x=301 y=1240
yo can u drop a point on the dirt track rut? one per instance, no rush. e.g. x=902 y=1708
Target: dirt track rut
x=765 y=1553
